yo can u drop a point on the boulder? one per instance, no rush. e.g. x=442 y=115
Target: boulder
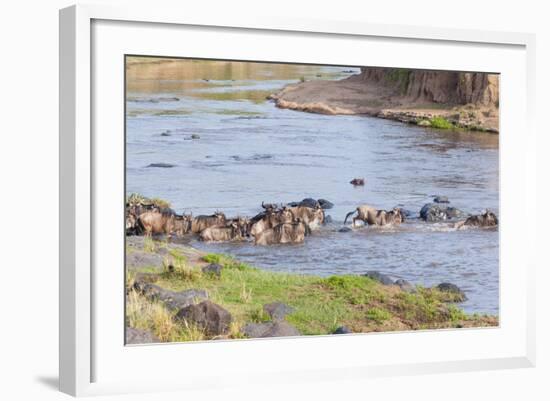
x=207 y=316
x=380 y=277
x=325 y=204
x=270 y=329
x=432 y=212
x=195 y=136
x=161 y=165
x=172 y=299
x=405 y=286
x=458 y=294
x=136 y=260
x=309 y=202
x=345 y=230
x=441 y=199
x=277 y=310
x=342 y=330
x=137 y=336
x=213 y=269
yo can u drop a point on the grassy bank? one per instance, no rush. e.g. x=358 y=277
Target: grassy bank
x=321 y=304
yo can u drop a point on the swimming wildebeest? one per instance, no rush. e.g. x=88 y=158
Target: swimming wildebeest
x=234 y=230
x=163 y=223
x=487 y=219
x=202 y=222
x=271 y=217
x=373 y=216
x=312 y=217
x=287 y=233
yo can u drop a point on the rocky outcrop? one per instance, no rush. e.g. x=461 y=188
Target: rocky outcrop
x=137 y=336
x=446 y=87
x=172 y=299
x=207 y=316
x=270 y=329
x=277 y=311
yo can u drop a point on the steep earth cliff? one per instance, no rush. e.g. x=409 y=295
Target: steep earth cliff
x=463 y=99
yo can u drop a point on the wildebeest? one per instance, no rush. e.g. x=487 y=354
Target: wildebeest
x=202 y=222
x=235 y=230
x=287 y=233
x=357 y=182
x=163 y=223
x=487 y=219
x=312 y=217
x=373 y=216
x=269 y=219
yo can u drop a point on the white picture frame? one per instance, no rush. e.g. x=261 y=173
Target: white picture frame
x=92 y=351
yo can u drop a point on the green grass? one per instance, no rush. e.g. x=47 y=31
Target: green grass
x=321 y=304
x=441 y=123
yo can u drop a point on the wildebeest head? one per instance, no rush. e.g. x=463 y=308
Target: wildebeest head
x=131 y=221
x=489 y=218
x=182 y=224
x=269 y=207
x=398 y=215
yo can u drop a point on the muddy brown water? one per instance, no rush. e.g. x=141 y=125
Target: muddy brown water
x=244 y=151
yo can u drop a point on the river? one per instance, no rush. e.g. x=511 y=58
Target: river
x=248 y=151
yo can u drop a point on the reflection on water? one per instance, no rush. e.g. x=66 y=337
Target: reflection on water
x=247 y=151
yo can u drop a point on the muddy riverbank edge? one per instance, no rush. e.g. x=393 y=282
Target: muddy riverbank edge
x=177 y=293
x=442 y=100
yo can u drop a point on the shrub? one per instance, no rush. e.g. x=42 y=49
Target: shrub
x=441 y=123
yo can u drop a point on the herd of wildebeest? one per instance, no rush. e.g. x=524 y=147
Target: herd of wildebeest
x=275 y=224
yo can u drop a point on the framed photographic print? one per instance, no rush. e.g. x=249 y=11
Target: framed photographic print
x=290 y=199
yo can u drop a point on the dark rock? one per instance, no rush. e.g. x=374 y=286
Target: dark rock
x=172 y=299
x=161 y=165
x=441 y=199
x=345 y=230
x=270 y=329
x=213 y=269
x=453 y=289
x=454 y=213
x=167 y=133
x=309 y=202
x=207 y=316
x=380 y=277
x=357 y=181
x=325 y=204
x=405 y=286
x=342 y=330
x=137 y=336
x=328 y=219
x=431 y=212
x=277 y=310
x=407 y=213
x=136 y=260
x=195 y=136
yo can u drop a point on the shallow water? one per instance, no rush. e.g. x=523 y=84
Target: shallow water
x=249 y=151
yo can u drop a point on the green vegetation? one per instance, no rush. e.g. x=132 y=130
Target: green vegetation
x=320 y=304
x=138 y=199
x=441 y=123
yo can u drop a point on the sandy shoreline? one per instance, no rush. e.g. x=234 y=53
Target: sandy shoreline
x=356 y=96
